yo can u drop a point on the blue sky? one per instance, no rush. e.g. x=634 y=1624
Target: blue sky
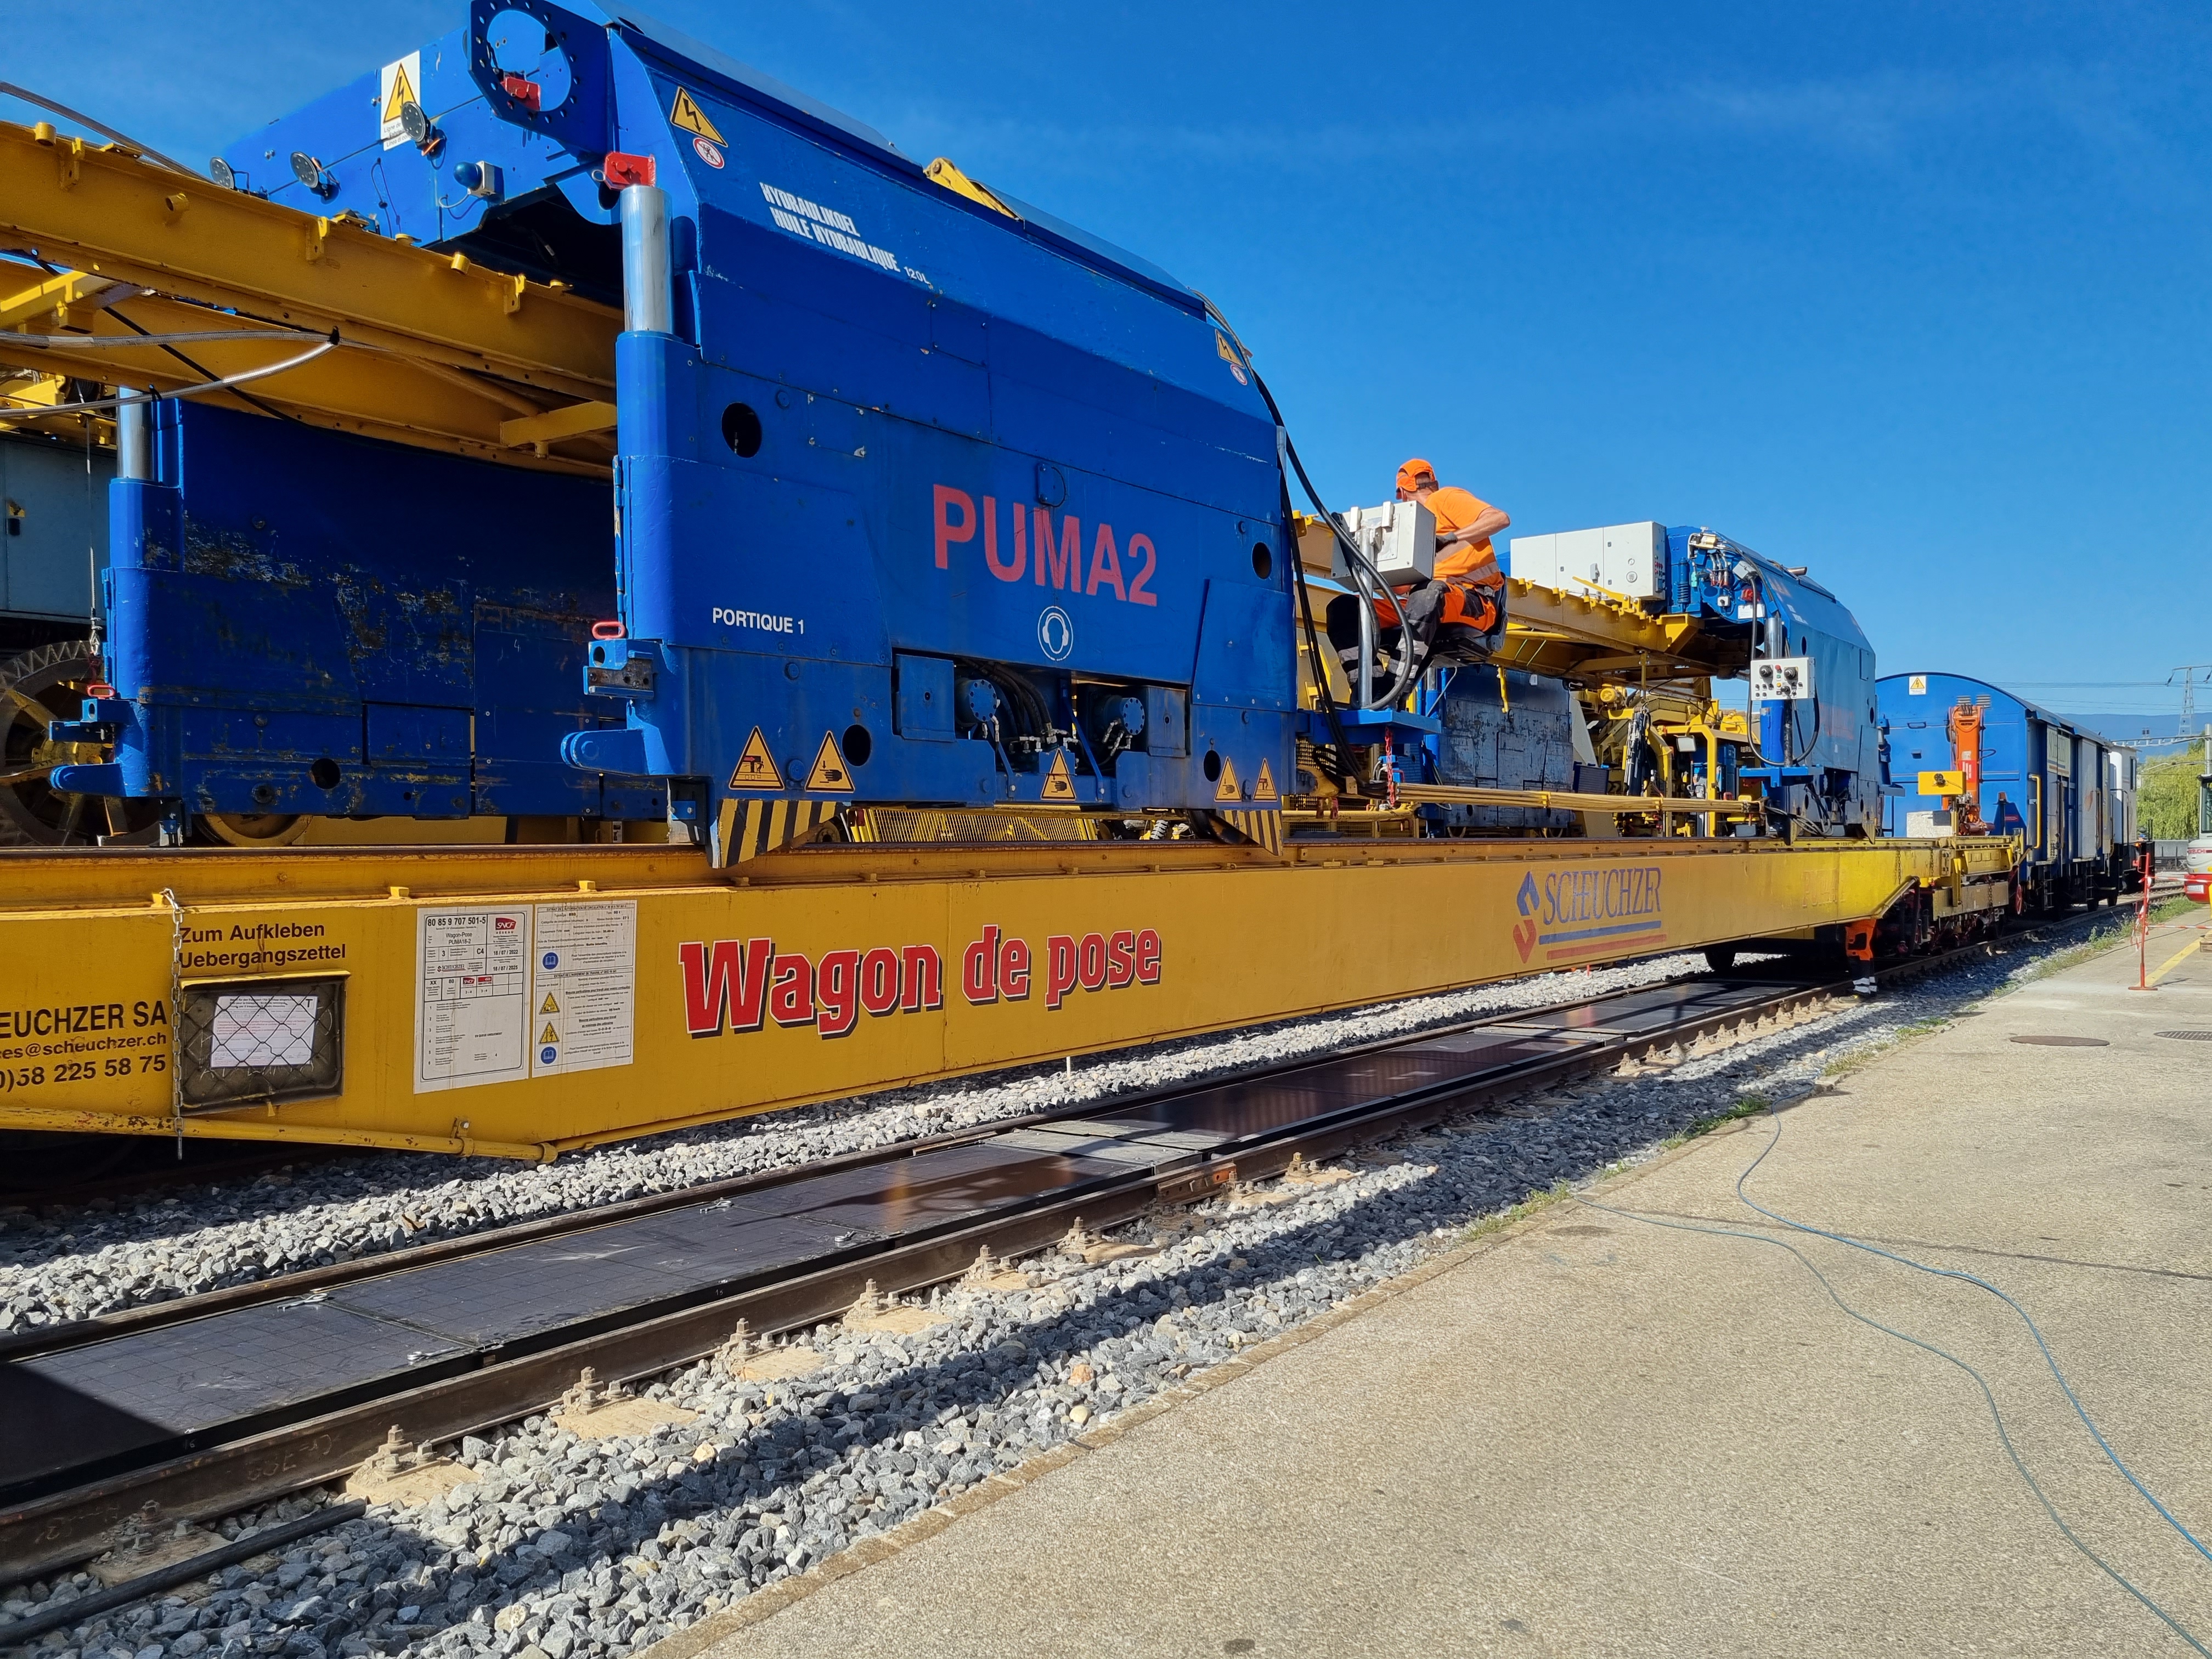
x=1913 y=293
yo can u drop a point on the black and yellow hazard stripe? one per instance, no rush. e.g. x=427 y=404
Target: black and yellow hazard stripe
x=751 y=827
x=1260 y=829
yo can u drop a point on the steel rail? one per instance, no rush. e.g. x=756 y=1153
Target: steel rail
x=69 y=1524
x=50 y=1339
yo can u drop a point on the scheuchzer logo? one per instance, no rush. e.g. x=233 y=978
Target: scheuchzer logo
x=1592 y=911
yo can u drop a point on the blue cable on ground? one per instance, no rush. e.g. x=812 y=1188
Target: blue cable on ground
x=2034 y=1330
x=1995 y=1415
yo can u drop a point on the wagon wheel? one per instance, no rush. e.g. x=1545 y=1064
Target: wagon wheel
x=40 y=685
x=261 y=830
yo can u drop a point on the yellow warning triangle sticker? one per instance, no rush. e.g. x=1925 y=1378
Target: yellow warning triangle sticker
x=402 y=94
x=1227 y=789
x=551 y=1007
x=1263 y=787
x=685 y=113
x=828 y=777
x=1058 y=782
x=755 y=768
x=549 y=1035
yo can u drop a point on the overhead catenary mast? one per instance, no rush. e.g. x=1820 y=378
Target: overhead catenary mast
x=2189 y=672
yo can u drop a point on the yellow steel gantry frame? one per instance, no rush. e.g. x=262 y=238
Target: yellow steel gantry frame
x=1569 y=635
x=440 y=353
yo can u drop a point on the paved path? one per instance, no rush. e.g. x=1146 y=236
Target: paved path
x=1602 y=1436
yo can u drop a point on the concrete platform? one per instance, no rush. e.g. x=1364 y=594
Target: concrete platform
x=1597 y=1436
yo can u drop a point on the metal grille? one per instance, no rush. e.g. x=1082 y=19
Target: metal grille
x=2188 y=1036
x=265 y=1039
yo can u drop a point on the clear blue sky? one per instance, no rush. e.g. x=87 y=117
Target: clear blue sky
x=1913 y=293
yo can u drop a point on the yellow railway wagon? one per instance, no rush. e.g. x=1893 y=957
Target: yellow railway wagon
x=523 y=1002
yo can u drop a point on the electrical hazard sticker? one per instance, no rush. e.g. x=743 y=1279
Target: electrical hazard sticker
x=1058 y=782
x=829 y=776
x=756 y=768
x=548 y=1035
x=1263 y=787
x=1221 y=345
x=1227 y=788
x=397 y=86
x=685 y=113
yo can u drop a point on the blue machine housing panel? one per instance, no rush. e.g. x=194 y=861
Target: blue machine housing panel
x=984 y=437
x=306 y=622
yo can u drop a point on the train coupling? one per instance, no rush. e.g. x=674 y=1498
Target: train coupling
x=100 y=721
x=621 y=668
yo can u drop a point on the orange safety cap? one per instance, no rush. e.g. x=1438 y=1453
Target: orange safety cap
x=1416 y=474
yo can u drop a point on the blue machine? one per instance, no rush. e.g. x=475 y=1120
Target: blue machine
x=1817 y=756
x=285 y=641
x=1814 y=751
x=921 y=496
x=2068 y=794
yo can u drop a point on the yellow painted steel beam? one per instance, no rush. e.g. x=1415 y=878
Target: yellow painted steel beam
x=555 y=424
x=102 y=211
x=918 y=962
x=381 y=394
x=1552 y=632
x=1564 y=800
x=55 y=294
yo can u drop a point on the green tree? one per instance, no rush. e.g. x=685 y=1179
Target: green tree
x=2165 y=800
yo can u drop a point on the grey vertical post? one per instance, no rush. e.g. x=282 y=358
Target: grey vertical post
x=648 y=297
x=133 y=439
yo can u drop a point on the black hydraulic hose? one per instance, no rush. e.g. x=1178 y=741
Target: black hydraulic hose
x=107 y=132
x=1362 y=572
x=1315 y=661
x=1323 y=695
x=115 y=310
x=223 y=384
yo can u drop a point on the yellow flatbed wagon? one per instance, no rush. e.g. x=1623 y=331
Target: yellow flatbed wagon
x=523 y=1002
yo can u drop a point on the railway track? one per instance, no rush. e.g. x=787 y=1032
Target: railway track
x=204 y=1406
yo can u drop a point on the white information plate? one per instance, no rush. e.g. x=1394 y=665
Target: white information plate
x=523 y=991
x=472 y=997
x=583 y=988
x=256 y=1030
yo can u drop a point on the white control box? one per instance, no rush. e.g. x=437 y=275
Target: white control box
x=1399 y=539
x=1628 y=559
x=1782 y=679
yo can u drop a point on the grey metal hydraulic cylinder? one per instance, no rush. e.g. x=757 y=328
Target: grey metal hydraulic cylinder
x=134 y=438
x=648 y=298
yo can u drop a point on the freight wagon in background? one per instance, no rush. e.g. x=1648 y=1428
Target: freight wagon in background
x=2068 y=794
x=53 y=547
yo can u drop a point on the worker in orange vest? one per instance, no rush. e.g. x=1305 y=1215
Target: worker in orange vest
x=1459 y=612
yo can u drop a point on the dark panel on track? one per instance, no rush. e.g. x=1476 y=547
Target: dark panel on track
x=177 y=1379
x=118 y=1401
